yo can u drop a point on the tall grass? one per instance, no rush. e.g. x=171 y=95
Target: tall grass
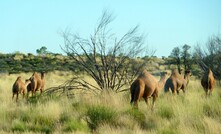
x=109 y=112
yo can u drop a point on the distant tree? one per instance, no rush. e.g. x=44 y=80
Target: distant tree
x=42 y=51
x=186 y=56
x=176 y=55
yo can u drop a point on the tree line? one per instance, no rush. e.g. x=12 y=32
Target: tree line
x=204 y=56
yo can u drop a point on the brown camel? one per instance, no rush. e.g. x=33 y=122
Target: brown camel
x=208 y=82
x=176 y=81
x=19 y=87
x=37 y=83
x=146 y=85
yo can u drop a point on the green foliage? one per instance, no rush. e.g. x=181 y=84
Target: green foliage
x=137 y=115
x=168 y=131
x=15 y=63
x=99 y=115
x=75 y=125
x=141 y=119
x=166 y=112
x=42 y=51
x=18 y=125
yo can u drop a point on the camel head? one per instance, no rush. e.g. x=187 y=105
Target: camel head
x=164 y=74
x=188 y=73
x=42 y=74
x=19 y=77
x=27 y=81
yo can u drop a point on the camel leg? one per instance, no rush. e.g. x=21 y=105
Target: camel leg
x=154 y=100
x=147 y=102
x=132 y=99
x=41 y=90
x=32 y=92
x=13 y=94
x=177 y=91
x=23 y=92
x=27 y=95
x=210 y=92
x=207 y=92
x=173 y=91
x=16 y=97
x=136 y=104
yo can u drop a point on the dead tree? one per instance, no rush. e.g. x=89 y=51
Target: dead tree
x=105 y=58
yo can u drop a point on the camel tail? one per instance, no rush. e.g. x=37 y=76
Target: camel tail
x=166 y=86
x=134 y=90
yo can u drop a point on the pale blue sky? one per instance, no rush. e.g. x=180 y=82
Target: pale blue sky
x=26 y=25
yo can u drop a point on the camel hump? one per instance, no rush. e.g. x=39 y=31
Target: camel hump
x=18 y=78
x=175 y=73
x=210 y=72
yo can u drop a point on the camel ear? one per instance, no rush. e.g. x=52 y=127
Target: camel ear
x=188 y=72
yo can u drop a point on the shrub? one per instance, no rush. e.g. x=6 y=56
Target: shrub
x=166 y=112
x=18 y=125
x=100 y=114
x=140 y=118
x=75 y=125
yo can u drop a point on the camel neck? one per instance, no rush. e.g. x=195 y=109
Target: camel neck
x=162 y=81
x=26 y=84
x=42 y=76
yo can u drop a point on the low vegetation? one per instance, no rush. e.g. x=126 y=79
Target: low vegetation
x=108 y=113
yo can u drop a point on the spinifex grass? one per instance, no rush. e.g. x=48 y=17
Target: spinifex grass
x=109 y=112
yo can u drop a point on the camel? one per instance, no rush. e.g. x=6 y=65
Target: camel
x=208 y=82
x=176 y=81
x=19 y=87
x=37 y=83
x=146 y=86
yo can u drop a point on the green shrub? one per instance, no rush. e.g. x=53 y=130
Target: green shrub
x=140 y=118
x=166 y=112
x=18 y=125
x=100 y=114
x=75 y=125
x=136 y=114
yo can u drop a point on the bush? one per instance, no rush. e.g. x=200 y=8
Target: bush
x=100 y=114
x=75 y=125
x=166 y=112
x=18 y=125
x=140 y=118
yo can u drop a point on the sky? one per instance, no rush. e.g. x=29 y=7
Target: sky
x=27 y=25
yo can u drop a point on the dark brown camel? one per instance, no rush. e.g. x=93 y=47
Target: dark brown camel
x=146 y=85
x=19 y=87
x=177 y=81
x=208 y=82
x=37 y=83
